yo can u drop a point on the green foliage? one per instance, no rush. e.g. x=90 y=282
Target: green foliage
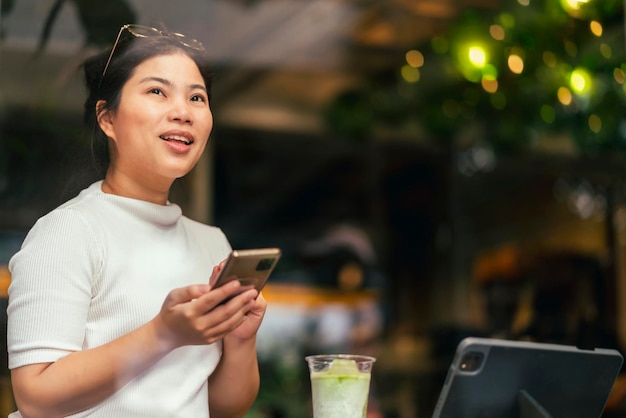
x=285 y=391
x=451 y=97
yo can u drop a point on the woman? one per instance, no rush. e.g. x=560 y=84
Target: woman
x=111 y=312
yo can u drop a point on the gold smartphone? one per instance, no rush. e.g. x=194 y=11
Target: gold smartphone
x=251 y=267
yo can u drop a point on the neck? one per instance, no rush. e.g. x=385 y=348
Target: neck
x=126 y=187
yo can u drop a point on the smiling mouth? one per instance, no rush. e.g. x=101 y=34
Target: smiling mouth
x=177 y=138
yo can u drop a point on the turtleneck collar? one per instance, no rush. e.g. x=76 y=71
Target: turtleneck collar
x=163 y=215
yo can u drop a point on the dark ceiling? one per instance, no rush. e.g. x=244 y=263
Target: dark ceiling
x=289 y=93
x=278 y=62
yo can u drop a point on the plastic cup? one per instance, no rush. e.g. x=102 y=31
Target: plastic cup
x=340 y=384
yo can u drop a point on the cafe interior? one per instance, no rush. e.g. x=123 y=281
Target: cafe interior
x=431 y=170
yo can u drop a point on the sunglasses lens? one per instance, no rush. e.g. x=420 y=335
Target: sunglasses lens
x=188 y=42
x=143 y=31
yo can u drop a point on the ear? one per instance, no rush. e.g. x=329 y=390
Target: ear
x=105 y=118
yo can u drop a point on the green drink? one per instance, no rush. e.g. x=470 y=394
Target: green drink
x=340 y=385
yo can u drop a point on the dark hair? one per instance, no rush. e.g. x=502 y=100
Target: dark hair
x=129 y=53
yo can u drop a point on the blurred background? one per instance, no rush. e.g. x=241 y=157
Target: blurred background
x=432 y=169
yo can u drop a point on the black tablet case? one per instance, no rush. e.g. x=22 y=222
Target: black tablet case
x=518 y=379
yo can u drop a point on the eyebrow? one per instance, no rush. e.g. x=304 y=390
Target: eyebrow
x=170 y=84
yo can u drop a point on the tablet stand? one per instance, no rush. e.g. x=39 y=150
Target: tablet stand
x=529 y=407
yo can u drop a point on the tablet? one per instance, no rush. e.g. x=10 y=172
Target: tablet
x=493 y=378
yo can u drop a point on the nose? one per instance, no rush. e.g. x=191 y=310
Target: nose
x=180 y=111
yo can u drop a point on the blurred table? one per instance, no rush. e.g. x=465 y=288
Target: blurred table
x=5 y=280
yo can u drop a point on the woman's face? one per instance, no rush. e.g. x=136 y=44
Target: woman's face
x=163 y=121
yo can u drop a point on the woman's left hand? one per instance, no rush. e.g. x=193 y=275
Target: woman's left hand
x=252 y=321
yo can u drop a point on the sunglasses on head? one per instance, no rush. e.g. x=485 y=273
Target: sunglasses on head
x=141 y=31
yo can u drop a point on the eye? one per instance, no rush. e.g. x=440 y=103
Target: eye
x=198 y=98
x=156 y=90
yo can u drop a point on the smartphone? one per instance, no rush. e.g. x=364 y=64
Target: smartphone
x=251 y=267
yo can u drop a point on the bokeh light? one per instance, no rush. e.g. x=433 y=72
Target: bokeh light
x=580 y=81
x=516 y=64
x=490 y=84
x=618 y=75
x=497 y=32
x=573 y=7
x=596 y=28
x=548 y=114
x=477 y=56
x=606 y=51
x=410 y=74
x=595 y=123
x=472 y=61
x=414 y=58
x=565 y=96
x=549 y=59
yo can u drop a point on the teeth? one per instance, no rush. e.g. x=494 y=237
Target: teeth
x=176 y=138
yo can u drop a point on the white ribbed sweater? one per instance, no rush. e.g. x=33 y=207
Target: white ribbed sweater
x=100 y=266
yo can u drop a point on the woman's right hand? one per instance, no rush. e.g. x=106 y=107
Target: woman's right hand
x=193 y=315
